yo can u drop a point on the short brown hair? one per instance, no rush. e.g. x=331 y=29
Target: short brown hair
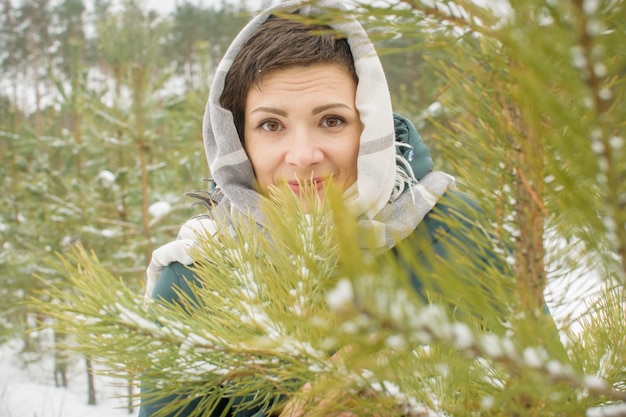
x=280 y=43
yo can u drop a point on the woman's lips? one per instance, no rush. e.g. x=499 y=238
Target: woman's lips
x=297 y=187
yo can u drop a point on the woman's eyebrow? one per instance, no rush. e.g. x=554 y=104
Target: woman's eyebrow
x=316 y=110
x=270 y=110
x=325 y=107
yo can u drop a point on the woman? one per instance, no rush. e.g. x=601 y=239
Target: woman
x=296 y=106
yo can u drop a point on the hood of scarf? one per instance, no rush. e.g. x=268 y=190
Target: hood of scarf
x=230 y=167
x=385 y=170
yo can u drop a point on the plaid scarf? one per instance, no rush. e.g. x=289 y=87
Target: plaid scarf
x=387 y=199
x=375 y=202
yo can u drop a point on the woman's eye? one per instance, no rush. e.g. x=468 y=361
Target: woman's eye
x=270 y=125
x=332 y=121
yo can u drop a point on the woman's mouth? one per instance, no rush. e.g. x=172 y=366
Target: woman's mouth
x=304 y=186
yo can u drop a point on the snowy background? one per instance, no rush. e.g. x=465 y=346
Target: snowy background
x=27 y=388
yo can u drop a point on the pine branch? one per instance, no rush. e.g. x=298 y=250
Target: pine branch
x=268 y=324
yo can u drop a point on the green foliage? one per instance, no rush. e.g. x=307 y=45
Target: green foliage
x=114 y=138
x=302 y=302
x=525 y=111
x=525 y=108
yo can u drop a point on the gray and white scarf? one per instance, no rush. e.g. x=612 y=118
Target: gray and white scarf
x=386 y=199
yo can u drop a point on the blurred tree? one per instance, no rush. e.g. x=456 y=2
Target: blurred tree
x=8 y=58
x=69 y=17
x=33 y=39
x=199 y=37
x=96 y=160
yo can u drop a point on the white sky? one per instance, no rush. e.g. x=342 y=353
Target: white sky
x=500 y=7
x=167 y=6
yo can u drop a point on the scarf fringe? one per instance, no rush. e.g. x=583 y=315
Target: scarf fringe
x=405 y=177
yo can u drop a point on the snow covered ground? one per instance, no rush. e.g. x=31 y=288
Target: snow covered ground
x=27 y=388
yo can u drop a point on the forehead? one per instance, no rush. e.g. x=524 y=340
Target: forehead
x=330 y=79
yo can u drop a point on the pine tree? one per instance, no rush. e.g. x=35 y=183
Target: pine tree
x=304 y=303
x=531 y=122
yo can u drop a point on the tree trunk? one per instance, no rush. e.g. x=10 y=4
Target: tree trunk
x=131 y=407
x=60 y=361
x=138 y=87
x=530 y=213
x=91 y=387
x=76 y=118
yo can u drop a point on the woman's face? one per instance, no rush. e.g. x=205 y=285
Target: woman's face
x=302 y=129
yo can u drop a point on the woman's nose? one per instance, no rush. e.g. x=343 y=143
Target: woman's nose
x=303 y=149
